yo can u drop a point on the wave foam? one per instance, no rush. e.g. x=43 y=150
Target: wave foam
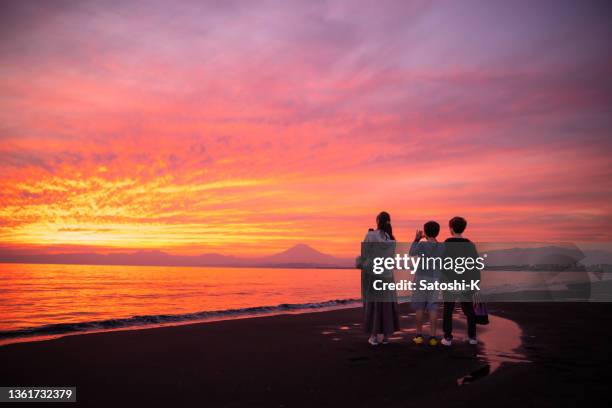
x=155 y=320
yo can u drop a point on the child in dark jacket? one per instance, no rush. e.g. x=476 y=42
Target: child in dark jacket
x=459 y=247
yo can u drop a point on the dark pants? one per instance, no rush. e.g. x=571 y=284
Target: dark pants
x=468 y=311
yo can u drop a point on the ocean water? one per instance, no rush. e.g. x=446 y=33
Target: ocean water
x=50 y=300
x=43 y=301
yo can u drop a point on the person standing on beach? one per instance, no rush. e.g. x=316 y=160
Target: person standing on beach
x=381 y=314
x=423 y=299
x=459 y=247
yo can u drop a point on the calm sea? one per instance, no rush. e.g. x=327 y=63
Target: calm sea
x=42 y=301
x=47 y=300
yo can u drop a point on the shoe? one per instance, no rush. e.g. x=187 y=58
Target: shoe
x=446 y=342
x=373 y=342
x=473 y=341
x=385 y=340
x=418 y=339
x=432 y=341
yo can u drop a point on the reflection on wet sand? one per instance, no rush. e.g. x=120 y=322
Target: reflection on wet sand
x=501 y=342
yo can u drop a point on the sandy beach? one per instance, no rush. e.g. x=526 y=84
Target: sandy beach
x=322 y=359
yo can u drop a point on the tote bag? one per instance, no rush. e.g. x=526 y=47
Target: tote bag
x=480 y=310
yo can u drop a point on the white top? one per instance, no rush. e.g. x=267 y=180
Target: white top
x=376 y=236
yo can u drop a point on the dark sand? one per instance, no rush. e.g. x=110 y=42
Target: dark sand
x=322 y=359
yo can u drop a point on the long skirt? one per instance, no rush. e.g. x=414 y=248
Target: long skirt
x=381 y=318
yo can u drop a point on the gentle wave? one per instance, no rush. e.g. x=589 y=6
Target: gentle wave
x=155 y=320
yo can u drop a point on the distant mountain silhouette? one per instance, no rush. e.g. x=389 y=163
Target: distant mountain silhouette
x=550 y=255
x=304 y=255
x=298 y=256
x=301 y=256
x=596 y=257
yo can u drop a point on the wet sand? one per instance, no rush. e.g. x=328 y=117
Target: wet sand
x=533 y=354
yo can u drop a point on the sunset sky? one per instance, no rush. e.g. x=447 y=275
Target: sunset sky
x=248 y=126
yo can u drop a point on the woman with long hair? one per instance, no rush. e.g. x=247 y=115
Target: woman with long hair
x=381 y=315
